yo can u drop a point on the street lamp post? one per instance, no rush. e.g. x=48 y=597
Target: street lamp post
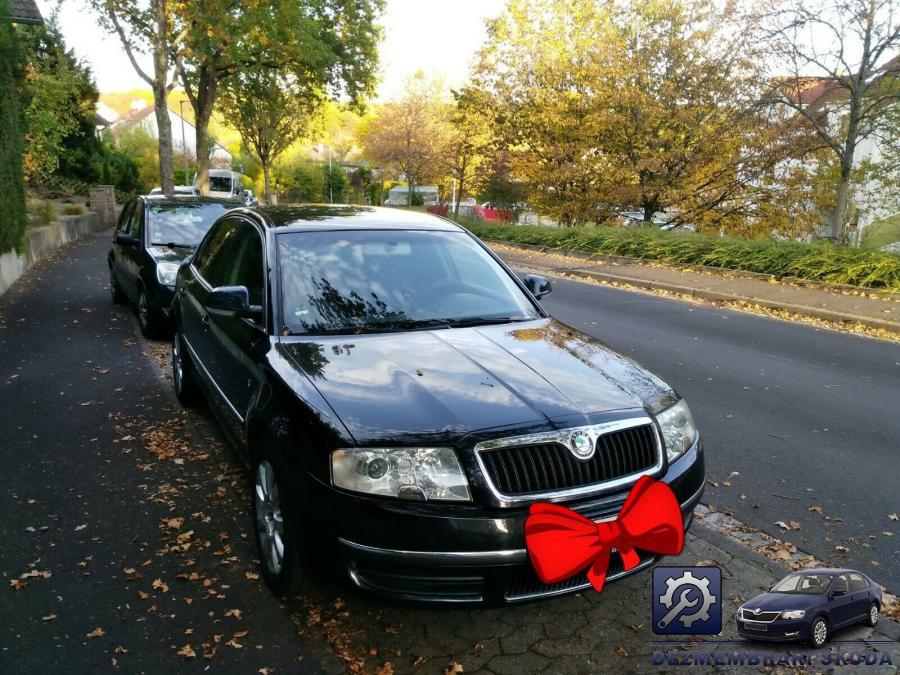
x=183 y=144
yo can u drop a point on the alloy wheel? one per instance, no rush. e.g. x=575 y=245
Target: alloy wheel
x=269 y=518
x=873 y=614
x=820 y=631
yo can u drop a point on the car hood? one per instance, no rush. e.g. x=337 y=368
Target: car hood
x=771 y=602
x=432 y=386
x=166 y=254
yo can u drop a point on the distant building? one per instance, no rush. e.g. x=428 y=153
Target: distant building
x=399 y=195
x=145 y=118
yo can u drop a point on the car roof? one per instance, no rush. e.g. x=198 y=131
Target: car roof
x=826 y=570
x=304 y=217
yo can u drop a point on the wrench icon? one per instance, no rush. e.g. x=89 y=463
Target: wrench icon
x=680 y=605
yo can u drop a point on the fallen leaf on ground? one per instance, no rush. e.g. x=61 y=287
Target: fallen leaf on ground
x=621 y=651
x=81 y=527
x=187 y=652
x=120 y=650
x=453 y=668
x=815 y=509
x=161 y=585
x=386 y=669
x=97 y=632
x=783 y=525
x=840 y=549
x=893 y=516
x=236 y=613
x=49 y=617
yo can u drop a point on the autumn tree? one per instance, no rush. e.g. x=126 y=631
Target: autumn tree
x=270 y=111
x=150 y=27
x=330 y=44
x=12 y=187
x=410 y=134
x=623 y=106
x=835 y=65
x=468 y=141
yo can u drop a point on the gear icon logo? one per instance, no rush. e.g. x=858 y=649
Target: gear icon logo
x=687 y=600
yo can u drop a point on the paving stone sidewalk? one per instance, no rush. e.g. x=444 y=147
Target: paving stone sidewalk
x=608 y=632
x=877 y=310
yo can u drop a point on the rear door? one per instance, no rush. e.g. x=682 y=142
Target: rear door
x=860 y=597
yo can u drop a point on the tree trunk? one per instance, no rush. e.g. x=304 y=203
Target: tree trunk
x=206 y=96
x=160 y=103
x=267 y=192
x=841 y=200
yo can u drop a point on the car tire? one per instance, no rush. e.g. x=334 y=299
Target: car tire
x=818 y=634
x=872 y=619
x=118 y=295
x=149 y=320
x=276 y=536
x=184 y=377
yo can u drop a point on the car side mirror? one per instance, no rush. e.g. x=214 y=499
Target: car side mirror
x=839 y=590
x=538 y=285
x=233 y=301
x=126 y=240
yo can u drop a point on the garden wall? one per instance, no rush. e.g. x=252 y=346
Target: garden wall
x=41 y=241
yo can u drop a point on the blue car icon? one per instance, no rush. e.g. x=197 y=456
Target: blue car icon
x=810 y=605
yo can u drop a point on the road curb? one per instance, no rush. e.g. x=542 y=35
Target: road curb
x=704 y=294
x=719 y=271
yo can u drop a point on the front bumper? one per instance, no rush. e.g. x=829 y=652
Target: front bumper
x=792 y=630
x=430 y=552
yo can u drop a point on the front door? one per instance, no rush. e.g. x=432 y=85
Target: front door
x=840 y=607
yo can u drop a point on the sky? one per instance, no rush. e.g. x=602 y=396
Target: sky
x=438 y=37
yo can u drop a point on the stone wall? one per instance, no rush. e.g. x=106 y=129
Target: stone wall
x=103 y=201
x=41 y=241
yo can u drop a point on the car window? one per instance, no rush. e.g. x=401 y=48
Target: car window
x=245 y=267
x=811 y=584
x=212 y=261
x=125 y=218
x=137 y=225
x=841 y=581
x=857 y=582
x=182 y=223
x=220 y=183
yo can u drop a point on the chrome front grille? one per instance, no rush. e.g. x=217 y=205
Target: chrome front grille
x=547 y=465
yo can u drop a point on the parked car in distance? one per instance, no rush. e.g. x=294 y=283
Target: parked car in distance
x=154 y=234
x=809 y=606
x=402 y=398
x=224 y=184
x=180 y=191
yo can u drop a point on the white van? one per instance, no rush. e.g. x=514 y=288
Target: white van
x=225 y=184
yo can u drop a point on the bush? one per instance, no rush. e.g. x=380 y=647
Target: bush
x=73 y=210
x=42 y=212
x=815 y=262
x=12 y=187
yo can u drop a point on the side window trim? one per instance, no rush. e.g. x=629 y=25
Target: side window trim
x=125 y=218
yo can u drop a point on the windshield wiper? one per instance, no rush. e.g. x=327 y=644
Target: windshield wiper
x=172 y=244
x=468 y=322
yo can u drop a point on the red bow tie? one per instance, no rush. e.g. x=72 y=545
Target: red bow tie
x=561 y=542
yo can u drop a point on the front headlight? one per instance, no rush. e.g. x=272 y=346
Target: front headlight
x=166 y=273
x=794 y=614
x=424 y=474
x=678 y=430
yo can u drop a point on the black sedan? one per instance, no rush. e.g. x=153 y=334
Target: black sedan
x=402 y=398
x=154 y=235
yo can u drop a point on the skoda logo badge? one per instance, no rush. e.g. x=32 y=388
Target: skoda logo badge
x=581 y=445
x=757 y=610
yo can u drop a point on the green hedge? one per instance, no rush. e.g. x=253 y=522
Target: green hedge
x=816 y=262
x=12 y=189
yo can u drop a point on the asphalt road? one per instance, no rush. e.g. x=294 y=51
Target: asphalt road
x=808 y=417
x=125 y=537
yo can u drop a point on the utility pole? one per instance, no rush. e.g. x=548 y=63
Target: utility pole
x=183 y=144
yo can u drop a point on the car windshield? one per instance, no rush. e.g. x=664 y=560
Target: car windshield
x=220 y=184
x=808 y=584
x=181 y=224
x=384 y=280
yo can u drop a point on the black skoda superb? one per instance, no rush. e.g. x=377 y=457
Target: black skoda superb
x=402 y=398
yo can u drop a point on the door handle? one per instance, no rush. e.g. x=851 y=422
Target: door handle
x=182 y=291
x=205 y=319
